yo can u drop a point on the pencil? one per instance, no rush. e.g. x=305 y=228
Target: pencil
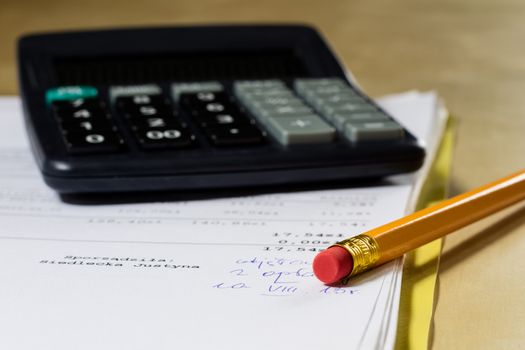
x=384 y=243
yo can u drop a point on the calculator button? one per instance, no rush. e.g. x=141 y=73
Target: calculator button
x=332 y=109
x=321 y=101
x=79 y=103
x=178 y=89
x=192 y=100
x=206 y=96
x=68 y=93
x=239 y=135
x=213 y=119
x=255 y=99
x=255 y=85
x=136 y=101
x=256 y=95
x=321 y=87
x=155 y=123
x=147 y=111
x=340 y=119
x=93 y=125
x=276 y=101
x=164 y=137
x=116 y=92
x=281 y=111
x=304 y=129
x=376 y=130
x=212 y=108
x=67 y=115
x=87 y=142
x=325 y=91
x=341 y=98
x=205 y=105
x=318 y=82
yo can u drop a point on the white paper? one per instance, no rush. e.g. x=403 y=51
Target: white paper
x=230 y=273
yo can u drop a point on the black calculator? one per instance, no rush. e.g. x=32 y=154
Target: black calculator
x=201 y=107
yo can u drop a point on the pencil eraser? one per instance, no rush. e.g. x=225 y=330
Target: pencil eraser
x=333 y=264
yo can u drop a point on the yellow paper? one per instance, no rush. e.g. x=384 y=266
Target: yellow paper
x=421 y=266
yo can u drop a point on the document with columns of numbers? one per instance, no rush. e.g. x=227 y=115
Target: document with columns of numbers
x=217 y=273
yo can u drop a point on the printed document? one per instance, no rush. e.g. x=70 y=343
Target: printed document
x=194 y=273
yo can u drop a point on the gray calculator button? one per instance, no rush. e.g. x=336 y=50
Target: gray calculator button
x=277 y=100
x=248 y=97
x=247 y=85
x=341 y=98
x=312 y=90
x=276 y=103
x=282 y=111
x=322 y=91
x=206 y=86
x=133 y=90
x=313 y=82
x=331 y=109
x=340 y=119
x=320 y=101
x=308 y=128
x=377 y=130
x=259 y=93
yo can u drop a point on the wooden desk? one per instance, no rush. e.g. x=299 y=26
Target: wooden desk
x=471 y=51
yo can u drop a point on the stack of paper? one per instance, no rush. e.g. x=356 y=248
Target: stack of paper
x=229 y=273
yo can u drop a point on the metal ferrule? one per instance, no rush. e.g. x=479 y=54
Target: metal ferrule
x=364 y=250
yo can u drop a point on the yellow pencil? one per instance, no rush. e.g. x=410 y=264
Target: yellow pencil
x=375 y=247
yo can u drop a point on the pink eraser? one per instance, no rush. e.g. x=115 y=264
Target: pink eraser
x=332 y=264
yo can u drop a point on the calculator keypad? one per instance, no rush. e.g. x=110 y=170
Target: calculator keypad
x=188 y=88
x=223 y=123
x=140 y=107
x=167 y=137
x=151 y=118
x=285 y=115
x=315 y=111
x=94 y=141
x=351 y=113
x=85 y=126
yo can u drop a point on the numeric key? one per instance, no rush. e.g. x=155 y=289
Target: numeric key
x=151 y=138
x=226 y=119
x=239 y=135
x=68 y=111
x=133 y=102
x=199 y=99
x=90 y=125
x=148 y=111
x=92 y=142
x=156 y=123
x=79 y=103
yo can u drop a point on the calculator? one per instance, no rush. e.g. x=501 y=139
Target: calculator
x=201 y=107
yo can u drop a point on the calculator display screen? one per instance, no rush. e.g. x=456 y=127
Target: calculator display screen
x=129 y=69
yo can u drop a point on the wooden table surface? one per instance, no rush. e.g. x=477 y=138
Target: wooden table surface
x=472 y=52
